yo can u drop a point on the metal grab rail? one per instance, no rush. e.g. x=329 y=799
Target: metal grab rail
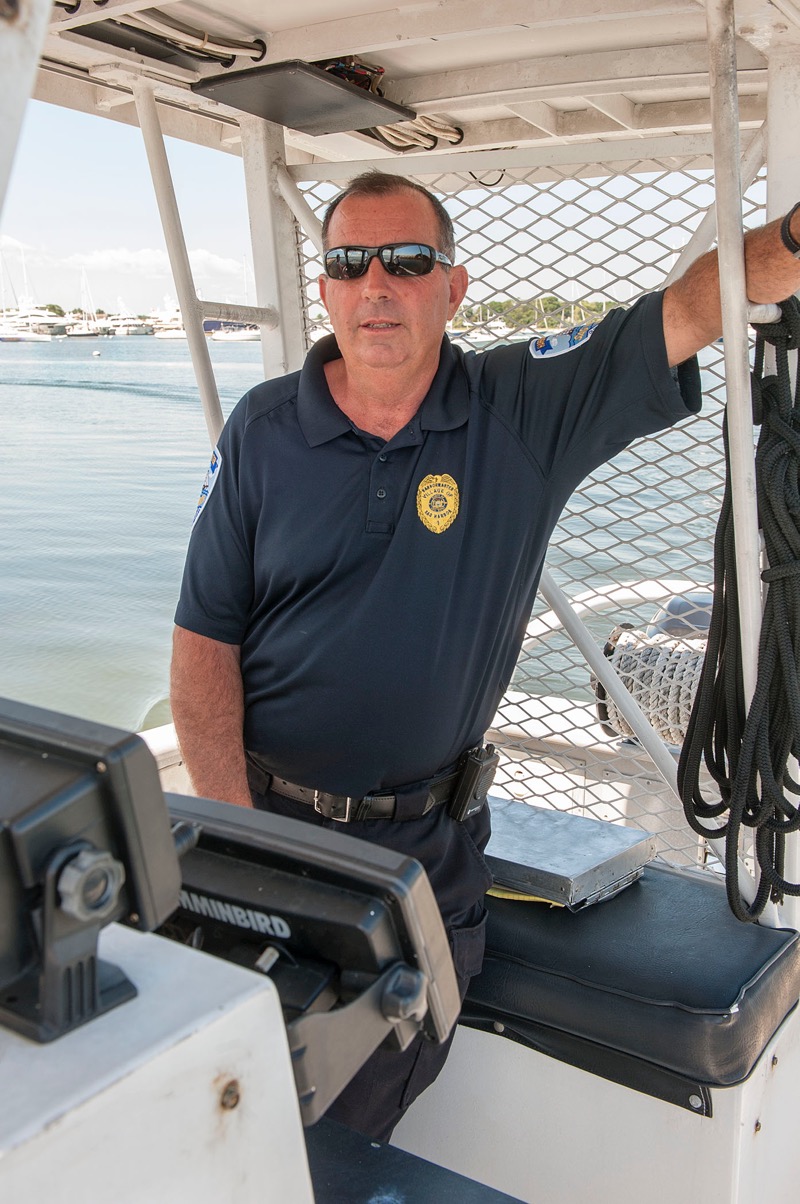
x=600 y=665
x=190 y=307
x=258 y=315
x=733 y=291
x=721 y=25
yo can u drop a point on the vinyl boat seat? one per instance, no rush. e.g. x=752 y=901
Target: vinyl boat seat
x=659 y=988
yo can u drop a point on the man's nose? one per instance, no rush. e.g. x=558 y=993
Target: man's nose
x=376 y=280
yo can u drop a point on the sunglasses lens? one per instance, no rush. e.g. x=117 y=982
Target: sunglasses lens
x=405 y=259
x=346 y=263
x=411 y=259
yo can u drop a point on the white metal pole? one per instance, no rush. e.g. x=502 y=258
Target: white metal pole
x=273 y=239
x=752 y=162
x=299 y=206
x=625 y=703
x=23 y=27
x=191 y=308
x=730 y=237
x=633 y=715
x=721 y=26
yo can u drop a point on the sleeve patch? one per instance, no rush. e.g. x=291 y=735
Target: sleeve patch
x=214 y=469
x=545 y=346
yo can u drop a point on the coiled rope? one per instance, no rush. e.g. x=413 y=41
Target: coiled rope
x=661 y=673
x=748 y=755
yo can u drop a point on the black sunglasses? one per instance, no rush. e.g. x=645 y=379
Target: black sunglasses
x=399 y=259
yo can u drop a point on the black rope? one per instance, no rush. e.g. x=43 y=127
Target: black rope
x=748 y=755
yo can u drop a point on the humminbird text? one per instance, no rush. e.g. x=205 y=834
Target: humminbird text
x=232 y=913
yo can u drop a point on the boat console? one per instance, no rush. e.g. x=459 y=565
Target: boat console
x=349 y=933
x=339 y=946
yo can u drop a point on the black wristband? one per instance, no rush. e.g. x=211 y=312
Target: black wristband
x=786 y=237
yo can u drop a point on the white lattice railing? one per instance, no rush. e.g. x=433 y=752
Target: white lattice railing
x=542 y=249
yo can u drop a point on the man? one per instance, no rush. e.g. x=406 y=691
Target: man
x=366 y=555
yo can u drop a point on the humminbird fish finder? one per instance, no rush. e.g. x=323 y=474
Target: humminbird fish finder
x=349 y=932
x=85 y=839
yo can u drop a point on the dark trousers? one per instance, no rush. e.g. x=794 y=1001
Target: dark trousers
x=452 y=854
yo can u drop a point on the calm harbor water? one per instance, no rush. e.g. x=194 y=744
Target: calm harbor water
x=104 y=456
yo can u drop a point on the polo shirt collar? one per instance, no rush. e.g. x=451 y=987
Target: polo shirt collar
x=318 y=414
x=445 y=407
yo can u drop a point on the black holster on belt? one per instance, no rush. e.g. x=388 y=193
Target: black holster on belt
x=474 y=782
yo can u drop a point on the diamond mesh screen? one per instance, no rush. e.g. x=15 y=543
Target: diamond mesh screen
x=546 y=249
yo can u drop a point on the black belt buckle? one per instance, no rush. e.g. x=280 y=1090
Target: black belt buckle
x=334 y=807
x=475 y=780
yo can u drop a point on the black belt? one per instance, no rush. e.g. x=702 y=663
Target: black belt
x=344 y=808
x=464 y=785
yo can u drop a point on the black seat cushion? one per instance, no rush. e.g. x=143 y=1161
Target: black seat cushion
x=663 y=972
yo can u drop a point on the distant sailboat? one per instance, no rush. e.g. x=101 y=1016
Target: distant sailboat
x=88 y=326
x=24 y=325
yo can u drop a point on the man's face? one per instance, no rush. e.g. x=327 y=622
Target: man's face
x=383 y=321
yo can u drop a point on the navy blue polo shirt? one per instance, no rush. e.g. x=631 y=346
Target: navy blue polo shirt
x=380 y=591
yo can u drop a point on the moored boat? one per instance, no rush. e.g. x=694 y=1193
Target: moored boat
x=236 y=334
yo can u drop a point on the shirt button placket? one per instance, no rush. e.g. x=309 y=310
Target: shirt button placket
x=380 y=518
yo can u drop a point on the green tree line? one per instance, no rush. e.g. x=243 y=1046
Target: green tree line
x=538 y=313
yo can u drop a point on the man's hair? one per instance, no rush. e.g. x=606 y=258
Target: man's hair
x=380 y=183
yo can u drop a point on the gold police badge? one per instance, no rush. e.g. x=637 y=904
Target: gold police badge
x=437 y=502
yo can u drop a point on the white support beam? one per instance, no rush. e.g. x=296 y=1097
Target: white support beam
x=545 y=124
x=617 y=107
x=627 y=706
x=369 y=33
x=730 y=239
x=681 y=67
x=21 y=36
x=576 y=155
x=695 y=114
x=788 y=9
x=272 y=235
x=539 y=114
x=589 y=123
x=752 y=162
x=93 y=94
x=783 y=144
x=191 y=311
x=309 y=222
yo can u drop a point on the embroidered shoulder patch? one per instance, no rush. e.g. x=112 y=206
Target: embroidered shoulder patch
x=544 y=346
x=437 y=502
x=210 y=481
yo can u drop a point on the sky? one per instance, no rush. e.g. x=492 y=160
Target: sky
x=80 y=220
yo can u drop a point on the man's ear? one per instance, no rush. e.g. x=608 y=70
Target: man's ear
x=458 y=281
x=323 y=287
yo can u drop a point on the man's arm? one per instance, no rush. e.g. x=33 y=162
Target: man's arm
x=207 y=700
x=692 y=308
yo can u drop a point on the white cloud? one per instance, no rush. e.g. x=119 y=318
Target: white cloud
x=150 y=262
x=207 y=262
x=140 y=274
x=121 y=260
